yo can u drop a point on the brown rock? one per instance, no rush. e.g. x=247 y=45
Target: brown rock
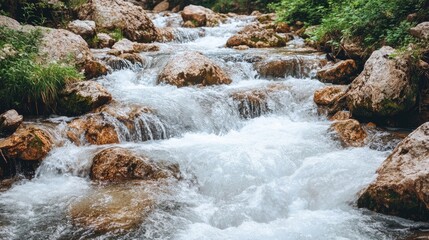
x=104 y=40
x=127 y=46
x=119 y=164
x=94 y=69
x=81 y=97
x=200 y=16
x=83 y=28
x=341 y=115
x=339 y=73
x=192 y=68
x=94 y=129
x=29 y=143
x=9 y=122
x=290 y=66
x=60 y=45
x=162 y=6
x=132 y=20
x=421 y=31
x=402 y=186
x=329 y=95
x=252 y=103
x=256 y=36
x=115 y=208
x=349 y=133
x=385 y=87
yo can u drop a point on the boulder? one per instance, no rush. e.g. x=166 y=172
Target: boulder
x=94 y=69
x=81 y=97
x=341 y=72
x=192 y=68
x=197 y=16
x=402 y=185
x=59 y=45
x=84 y=28
x=341 y=115
x=93 y=129
x=162 y=6
x=256 y=36
x=127 y=46
x=349 y=133
x=9 y=122
x=30 y=143
x=111 y=15
x=9 y=23
x=290 y=66
x=252 y=103
x=104 y=40
x=421 y=31
x=119 y=164
x=385 y=87
x=329 y=95
x=331 y=99
x=114 y=208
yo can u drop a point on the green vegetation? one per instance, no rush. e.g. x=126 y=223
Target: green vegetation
x=26 y=85
x=371 y=23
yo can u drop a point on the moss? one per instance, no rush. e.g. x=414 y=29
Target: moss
x=74 y=104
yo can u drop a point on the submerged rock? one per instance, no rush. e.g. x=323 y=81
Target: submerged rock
x=115 y=208
x=402 y=186
x=339 y=73
x=256 y=36
x=289 y=66
x=82 y=97
x=349 y=133
x=192 y=68
x=110 y=15
x=119 y=164
x=9 y=122
x=385 y=88
x=252 y=103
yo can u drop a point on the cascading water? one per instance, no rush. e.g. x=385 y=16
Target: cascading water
x=261 y=167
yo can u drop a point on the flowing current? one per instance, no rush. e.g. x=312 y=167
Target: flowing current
x=249 y=171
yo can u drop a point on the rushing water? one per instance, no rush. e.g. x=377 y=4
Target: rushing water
x=273 y=175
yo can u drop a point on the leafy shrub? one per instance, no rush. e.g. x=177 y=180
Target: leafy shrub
x=26 y=85
x=369 y=22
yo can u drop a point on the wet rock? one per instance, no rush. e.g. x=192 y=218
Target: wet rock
x=256 y=36
x=385 y=88
x=115 y=208
x=329 y=95
x=9 y=122
x=382 y=140
x=341 y=115
x=104 y=40
x=242 y=47
x=192 y=68
x=29 y=143
x=124 y=61
x=94 y=69
x=59 y=45
x=402 y=186
x=111 y=15
x=93 y=129
x=84 y=28
x=22 y=152
x=349 y=133
x=197 y=16
x=119 y=164
x=127 y=46
x=252 y=103
x=81 y=97
x=342 y=72
x=421 y=30
x=162 y=6
x=290 y=66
